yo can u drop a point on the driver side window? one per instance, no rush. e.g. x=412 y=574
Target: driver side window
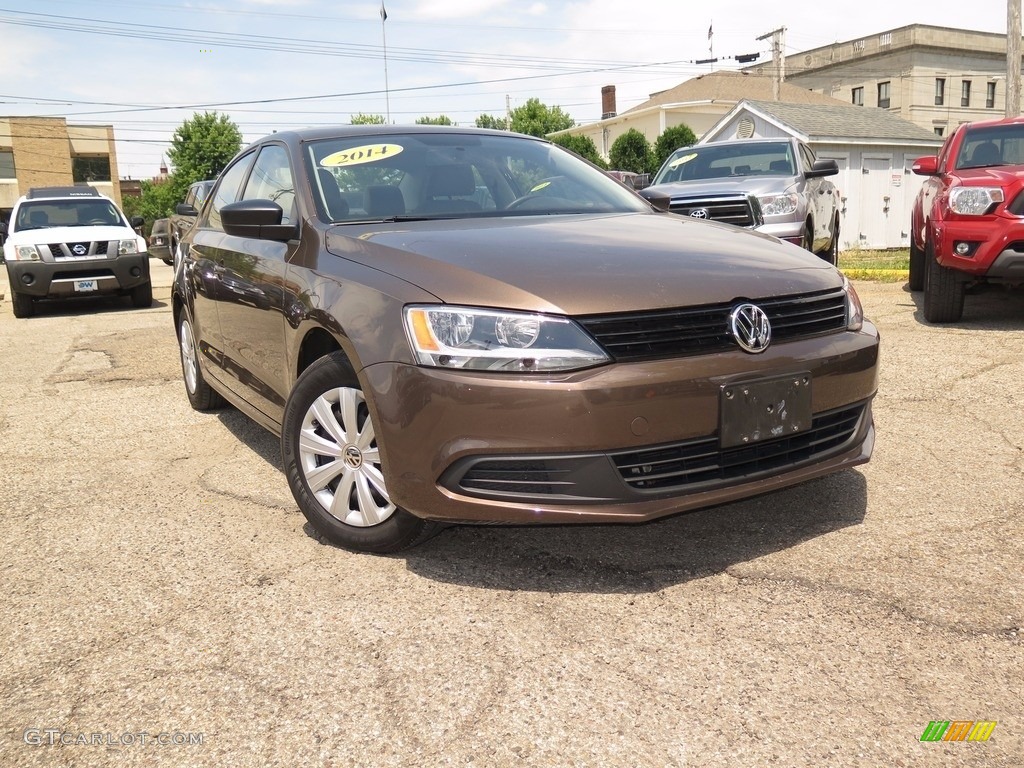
x=228 y=189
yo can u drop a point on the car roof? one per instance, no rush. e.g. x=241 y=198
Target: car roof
x=345 y=131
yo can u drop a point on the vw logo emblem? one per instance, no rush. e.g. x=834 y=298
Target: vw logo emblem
x=352 y=457
x=749 y=325
x=700 y=213
x=79 y=249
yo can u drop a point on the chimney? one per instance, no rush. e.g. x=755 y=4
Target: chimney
x=608 y=102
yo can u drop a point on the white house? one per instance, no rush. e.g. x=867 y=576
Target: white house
x=873 y=147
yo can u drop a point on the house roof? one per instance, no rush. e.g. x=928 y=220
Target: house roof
x=731 y=86
x=824 y=122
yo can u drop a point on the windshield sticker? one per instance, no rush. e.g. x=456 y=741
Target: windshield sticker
x=541 y=186
x=680 y=160
x=370 y=153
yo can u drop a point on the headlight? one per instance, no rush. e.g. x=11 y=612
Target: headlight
x=974 y=201
x=779 y=205
x=492 y=340
x=854 y=310
x=26 y=253
x=124 y=247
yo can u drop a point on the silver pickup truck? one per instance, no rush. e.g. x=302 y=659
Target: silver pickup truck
x=776 y=186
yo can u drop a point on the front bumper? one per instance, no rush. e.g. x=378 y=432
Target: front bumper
x=44 y=279
x=790 y=231
x=996 y=246
x=573 y=446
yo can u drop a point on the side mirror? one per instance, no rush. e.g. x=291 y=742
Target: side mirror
x=137 y=221
x=659 y=200
x=926 y=166
x=184 y=209
x=823 y=168
x=259 y=219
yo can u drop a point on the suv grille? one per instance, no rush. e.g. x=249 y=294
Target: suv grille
x=702 y=461
x=80 y=250
x=702 y=330
x=739 y=210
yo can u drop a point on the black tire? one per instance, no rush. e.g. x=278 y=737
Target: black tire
x=22 y=304
x=916 y=280
x=142 y=295
x=201 y=395
x=328 y=408
x=831 y=254
x=807 y=236
x=943 y=291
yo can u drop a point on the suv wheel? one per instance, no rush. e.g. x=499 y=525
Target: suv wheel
x=201 y=396
x=333 y=464
x=943 y=291
x=916 y=280
x=142 y=295
x=22 y=304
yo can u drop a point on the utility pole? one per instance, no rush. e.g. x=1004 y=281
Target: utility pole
x=508 y=111
x=778 y=37
x=1012 y=58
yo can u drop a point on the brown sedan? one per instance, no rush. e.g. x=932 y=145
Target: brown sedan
x=459 y=325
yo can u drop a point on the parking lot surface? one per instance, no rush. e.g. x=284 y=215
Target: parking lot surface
x=165 y=603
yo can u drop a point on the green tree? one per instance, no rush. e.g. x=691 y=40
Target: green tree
x=583 y=146
x=670 y=140
x=200 y=148
x=439 y=120
x=360 y=119
x=157 y=200
x=632 y=152
x=490 y=121
x=538 y=119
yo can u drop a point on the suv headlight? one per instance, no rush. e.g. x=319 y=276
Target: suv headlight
x=854 y=310
x=26 y=253
x=974 y=201
x=125 y=247
x=779 y=205
x=493 y=340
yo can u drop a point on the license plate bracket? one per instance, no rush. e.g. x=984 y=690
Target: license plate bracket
x=85 y=286
x=753 y=411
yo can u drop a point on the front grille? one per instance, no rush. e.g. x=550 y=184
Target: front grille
x=737 y=210
x=82 y=274
x=520 y=477
x=92 y=250
x=702 y=330
x=702 y=461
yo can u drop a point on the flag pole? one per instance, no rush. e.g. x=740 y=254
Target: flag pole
x=384 y=36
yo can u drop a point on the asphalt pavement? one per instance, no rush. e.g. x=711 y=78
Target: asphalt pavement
x=165 y=603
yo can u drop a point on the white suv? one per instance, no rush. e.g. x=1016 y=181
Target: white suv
x=65 y=242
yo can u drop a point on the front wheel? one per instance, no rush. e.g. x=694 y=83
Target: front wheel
x=831 y=254
x=333 y=464
x=22 y=304
x=943 y=291
x=142 y=295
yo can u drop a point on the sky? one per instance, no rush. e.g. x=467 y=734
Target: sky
x=145 y=66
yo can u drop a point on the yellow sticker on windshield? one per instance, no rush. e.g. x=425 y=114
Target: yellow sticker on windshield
x=369 y=153
x=541 y=186
x=680 y=160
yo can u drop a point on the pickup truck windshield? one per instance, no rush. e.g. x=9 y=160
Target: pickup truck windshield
x=715 y=162
x=987 y=147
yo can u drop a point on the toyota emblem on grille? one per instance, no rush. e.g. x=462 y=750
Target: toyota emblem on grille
x=79 y=249
x=700 y=213
x=750 y=327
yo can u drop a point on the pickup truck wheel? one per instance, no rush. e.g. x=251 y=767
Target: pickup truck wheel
x=807 y=237
x=333 y=464
x=22 y=304
x=831 y=254
x=916 y=281
x=943 y=291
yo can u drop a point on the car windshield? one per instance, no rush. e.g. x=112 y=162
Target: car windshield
x=67 y=213
x=716 y=161
x=995 y=145
x=453 y=175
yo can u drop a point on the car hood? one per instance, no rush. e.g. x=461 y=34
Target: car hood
x=1001 y=175
x=70 y=235
x=757 y=185
x=584 y=264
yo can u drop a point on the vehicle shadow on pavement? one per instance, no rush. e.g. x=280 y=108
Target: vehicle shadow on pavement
x=641 y=558
x=91 y=306
x=986 y=308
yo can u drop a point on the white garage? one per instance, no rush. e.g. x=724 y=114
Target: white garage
x=873 y=147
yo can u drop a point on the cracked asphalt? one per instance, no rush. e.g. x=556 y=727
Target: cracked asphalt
x=160 y=586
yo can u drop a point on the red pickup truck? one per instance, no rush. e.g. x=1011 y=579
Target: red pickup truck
x=967 y=226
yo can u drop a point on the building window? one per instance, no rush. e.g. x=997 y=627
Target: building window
x=965 y=93
x=7 y=165
x=939 y=130
x=883 y=95
x=990 y=96
x=86 y=169
x=858 y=97
x=940 y=91
x=885 y=39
